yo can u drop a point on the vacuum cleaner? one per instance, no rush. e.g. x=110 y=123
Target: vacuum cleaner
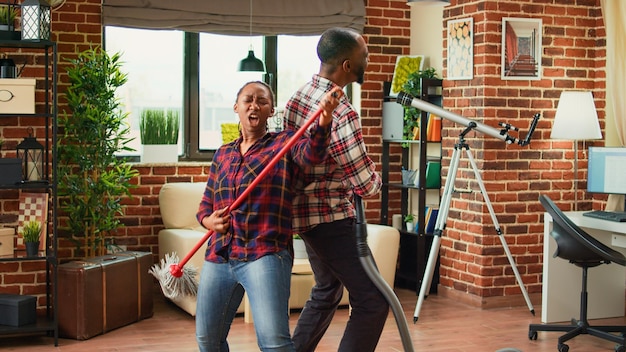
x=367 y=261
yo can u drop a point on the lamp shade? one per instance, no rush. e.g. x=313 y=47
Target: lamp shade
x=576 y=117
x=251 y=63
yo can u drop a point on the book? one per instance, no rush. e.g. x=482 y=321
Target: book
x=431 y=220
x=433 y=130
x=433 y=174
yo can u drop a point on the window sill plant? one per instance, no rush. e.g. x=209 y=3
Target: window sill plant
x=159 y=135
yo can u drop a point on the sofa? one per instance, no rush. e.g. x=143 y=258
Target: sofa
x=178 y=204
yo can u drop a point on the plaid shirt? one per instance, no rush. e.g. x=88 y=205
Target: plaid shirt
x=326 y=189
x=262 y=224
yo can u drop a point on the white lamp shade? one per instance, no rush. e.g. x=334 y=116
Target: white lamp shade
x=576 y=117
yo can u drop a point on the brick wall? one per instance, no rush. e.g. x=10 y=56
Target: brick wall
x=472 y=257
x=473 y=263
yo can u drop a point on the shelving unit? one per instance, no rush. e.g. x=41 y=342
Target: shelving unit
x=47 y=51
x=414 y=246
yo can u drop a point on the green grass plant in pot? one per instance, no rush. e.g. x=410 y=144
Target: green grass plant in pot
x=31 y=232
x=159 y=135
x=92 y=179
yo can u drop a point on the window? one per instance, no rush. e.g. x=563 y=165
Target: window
x=202 y=86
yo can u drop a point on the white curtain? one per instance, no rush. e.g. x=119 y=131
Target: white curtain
x=614 y=12
x=232 y=17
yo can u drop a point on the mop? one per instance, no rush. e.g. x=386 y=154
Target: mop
x=178 y=280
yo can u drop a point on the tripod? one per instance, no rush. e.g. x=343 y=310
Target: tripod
x=444 y=208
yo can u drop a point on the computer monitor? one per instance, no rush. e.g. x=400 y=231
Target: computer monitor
x=607 y=170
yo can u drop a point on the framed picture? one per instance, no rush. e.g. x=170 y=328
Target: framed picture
x=521 y=48
x=461 y=49
x=405 y=65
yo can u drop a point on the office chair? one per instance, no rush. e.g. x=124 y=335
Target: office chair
x=582 y=250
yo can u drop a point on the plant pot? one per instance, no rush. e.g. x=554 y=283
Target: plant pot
x=32 y=249
x=299 y=249
x=409 y=227
x=159 y=153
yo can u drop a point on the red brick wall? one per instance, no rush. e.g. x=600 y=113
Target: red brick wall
x=472 y=257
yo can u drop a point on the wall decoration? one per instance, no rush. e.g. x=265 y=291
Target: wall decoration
x=521 y=48
x=461 y=49
x=405 y=65
x=33 y=207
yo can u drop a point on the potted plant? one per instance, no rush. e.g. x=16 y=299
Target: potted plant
x=413 y=86
x=8 y=13
x=92 y=179
x=158 y=130
x=31 y=232
x=409 y=222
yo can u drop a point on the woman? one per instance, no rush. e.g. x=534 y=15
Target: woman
x=250 y=249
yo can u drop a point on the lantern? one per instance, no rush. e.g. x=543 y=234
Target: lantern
x=35 y=20
x=31 y=153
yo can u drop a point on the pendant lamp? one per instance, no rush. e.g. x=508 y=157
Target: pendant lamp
x=251 y=63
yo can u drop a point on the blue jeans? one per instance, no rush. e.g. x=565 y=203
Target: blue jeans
x=267 y=282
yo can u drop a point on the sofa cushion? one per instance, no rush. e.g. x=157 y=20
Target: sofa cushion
x=178 y=203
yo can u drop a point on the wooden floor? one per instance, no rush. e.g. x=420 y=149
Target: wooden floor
x=444 y=325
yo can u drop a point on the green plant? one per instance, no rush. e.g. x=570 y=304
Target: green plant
x=413 y=86
x=409 y=218
x=159 y=126
x=296 y=236
x=8 y=14
x=92 y=180
x=31 y=231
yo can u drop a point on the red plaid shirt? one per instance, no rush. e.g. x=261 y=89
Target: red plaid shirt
x=327 y=188
x=262 y=224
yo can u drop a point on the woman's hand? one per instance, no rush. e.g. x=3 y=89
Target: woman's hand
x=218 y=221
x=328 y=104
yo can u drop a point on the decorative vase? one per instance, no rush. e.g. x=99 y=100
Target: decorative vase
x=32 y=249
x=159 y=153
x=299 y=249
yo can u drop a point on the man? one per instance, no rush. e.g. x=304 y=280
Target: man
x=324 y=215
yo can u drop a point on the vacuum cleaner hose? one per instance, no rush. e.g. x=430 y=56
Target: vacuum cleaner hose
x=369 y=265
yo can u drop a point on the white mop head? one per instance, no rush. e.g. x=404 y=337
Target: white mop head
x=172 y=286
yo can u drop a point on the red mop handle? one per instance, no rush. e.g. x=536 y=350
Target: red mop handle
x=177 y=269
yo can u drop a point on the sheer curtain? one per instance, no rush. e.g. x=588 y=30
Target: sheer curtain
x=614 y=12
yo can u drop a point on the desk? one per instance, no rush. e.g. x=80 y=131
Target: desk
x=562 y=281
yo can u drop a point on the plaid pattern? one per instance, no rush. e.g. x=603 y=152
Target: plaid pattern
x=262 y=224
x=327 y=188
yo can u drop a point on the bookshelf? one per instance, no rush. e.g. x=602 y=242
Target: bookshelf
x=418 y=197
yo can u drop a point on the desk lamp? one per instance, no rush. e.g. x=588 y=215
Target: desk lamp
x=576 y=119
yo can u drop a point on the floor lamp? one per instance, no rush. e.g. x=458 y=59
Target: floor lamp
x=576 y=119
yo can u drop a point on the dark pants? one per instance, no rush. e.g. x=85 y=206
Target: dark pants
x=335 y=263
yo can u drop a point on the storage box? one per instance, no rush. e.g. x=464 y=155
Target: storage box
x=17 y=96
x=17 y=310
x=7 y=236
x=103 y=293
x=11 y=171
